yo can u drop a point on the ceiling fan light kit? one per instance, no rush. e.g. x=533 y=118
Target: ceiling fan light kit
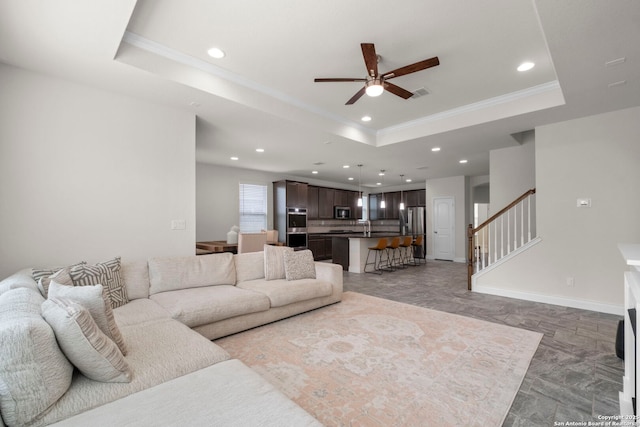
x=374 y=87
x=376 y=83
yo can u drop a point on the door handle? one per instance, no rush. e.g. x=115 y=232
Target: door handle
x=435 y=232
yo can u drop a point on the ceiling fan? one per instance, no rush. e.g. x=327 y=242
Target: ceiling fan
x=376 y=83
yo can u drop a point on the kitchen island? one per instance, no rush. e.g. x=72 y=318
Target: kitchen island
x=350 y=249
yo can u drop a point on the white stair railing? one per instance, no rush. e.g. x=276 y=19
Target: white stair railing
x=505 y=232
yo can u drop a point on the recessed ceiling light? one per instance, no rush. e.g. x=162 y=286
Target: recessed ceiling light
x=463 y=161
x=434 y=149
x=526 y=66
x=408 y=180
x=381 y=174
x=234 y=158
x=350 y=178
x=314 y=172
x=216 y=53
x=378 y=183
x=260 y=150
x=366 y=118
x=345 y=166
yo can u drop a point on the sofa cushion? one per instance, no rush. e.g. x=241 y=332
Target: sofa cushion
x=94 y=299
x=84 y=344
x=108 y=274
x=34 y=373
x=299 y=265
x=242 y=398
x=283 y=292
x=162 y=350
x=249 y=266
x=200 y=306
x=173 y=273
x=274 y=261
x=19 y=279
x=139 y=312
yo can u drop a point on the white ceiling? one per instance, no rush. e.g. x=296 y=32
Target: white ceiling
x=262 y=94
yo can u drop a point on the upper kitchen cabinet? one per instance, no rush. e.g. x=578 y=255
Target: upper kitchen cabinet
x=325 y=202
x=312 y=202
x=341 y=198
x=297 y=194
x=414 y=198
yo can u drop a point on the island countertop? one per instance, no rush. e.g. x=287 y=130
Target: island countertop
x=351 y=249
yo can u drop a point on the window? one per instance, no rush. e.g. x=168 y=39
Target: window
x=253 y=208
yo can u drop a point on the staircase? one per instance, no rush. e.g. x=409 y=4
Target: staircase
x=502 y=235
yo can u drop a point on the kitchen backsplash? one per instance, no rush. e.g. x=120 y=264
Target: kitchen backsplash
x=327 y=225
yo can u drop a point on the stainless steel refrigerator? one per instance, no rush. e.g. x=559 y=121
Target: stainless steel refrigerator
x=413 y=223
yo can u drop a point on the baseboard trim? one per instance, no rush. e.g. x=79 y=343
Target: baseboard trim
x=550 y=299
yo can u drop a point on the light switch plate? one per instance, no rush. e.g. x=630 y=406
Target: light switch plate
x=178 y=224
x=583 y=203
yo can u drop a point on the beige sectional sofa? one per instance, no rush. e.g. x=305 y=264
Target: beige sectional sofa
x=175 y=307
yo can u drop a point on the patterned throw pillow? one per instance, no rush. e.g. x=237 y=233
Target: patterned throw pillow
x=299 y=265
x=93 y=298
x=107 y=274
x=274 y=261
x=84 y=344
x=42 y=276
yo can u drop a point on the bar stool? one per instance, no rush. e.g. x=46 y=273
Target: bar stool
x=378 y=251
x=394 y=257
x=419 y=250
x=406 y=249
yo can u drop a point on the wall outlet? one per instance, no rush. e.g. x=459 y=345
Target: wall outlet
x=178 y=224
x=571 y=282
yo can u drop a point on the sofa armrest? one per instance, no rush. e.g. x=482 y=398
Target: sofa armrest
x=331 y=273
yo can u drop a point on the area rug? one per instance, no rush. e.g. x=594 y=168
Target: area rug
x=367 y=361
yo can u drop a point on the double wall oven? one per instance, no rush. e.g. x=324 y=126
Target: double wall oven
x=297 y=228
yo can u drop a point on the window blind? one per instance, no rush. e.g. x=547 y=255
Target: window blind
x=253 y=208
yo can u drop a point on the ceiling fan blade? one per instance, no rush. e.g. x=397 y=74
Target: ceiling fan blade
x=370 y=59
x=357 y=96
x=397 y=90
x=339 y=79
x=408 y=69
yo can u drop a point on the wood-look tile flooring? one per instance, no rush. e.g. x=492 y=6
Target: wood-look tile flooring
x=574 y=375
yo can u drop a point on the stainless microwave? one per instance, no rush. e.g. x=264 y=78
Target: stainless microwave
x=341 y=212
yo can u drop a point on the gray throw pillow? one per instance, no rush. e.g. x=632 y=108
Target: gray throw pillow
x=299 y=265
x=274 y=261
x=84 y=344
x=107 y=274
x=93 y=298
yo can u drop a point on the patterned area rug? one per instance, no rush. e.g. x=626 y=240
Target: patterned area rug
x=373 y=362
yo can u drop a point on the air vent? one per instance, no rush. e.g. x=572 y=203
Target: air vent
x=420 y=92
x=318 y=163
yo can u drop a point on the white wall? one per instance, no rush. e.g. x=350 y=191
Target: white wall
x=596 y=157
x=217 y=193
x=455 y=187
x=87 y=174
x=512 y=172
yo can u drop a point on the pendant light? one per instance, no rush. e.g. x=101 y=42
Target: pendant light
x=383 y=205
x=359 y=185
x=401 y=202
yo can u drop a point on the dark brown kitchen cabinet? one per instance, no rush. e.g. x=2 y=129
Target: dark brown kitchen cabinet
x=312 y=202
x=325 y=202
x=320 y=246
x=414 y=198
x=340 y=198
x=296 y=194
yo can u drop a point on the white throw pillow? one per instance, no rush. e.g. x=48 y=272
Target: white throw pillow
x=274 y=261
x=93 y=298
x=84 y=344
x=42 y=276
x=299 y=265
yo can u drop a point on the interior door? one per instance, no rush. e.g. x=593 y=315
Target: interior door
x=444 y=228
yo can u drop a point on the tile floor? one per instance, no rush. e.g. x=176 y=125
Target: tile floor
x=574 y=375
